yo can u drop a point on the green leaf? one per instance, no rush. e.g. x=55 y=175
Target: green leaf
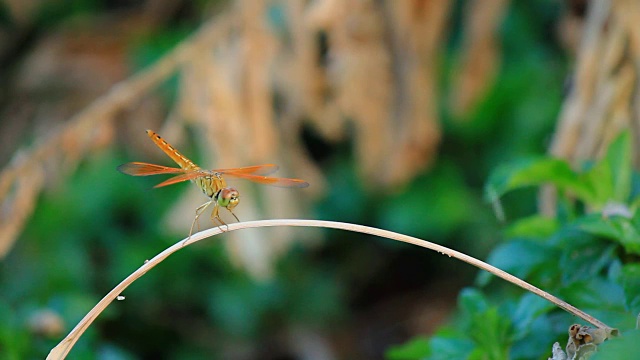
x=622 y=347
x=519 y=258
x=600 y=180
x=617 y=228
x=490 y=331
x=583 y=258
x=609 y=180
x=595 y=293
x=471 y=301
x=14 y=336
x=417 y=348
x=536 y=171
x=448 y=344
x=535 y=226
x=530 y=337
x=484 y=325
x=600 y=298
x=611 y=177
x=529 y=308
x=445 y=344
x=630 y=279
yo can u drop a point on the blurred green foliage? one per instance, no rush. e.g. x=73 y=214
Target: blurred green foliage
x=587 y=257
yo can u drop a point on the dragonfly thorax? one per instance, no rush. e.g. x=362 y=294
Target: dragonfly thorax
x=210 y=184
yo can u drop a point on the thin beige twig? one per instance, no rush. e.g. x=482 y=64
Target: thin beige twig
x=63 y=348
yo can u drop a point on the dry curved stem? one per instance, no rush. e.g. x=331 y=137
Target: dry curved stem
x=62 y=349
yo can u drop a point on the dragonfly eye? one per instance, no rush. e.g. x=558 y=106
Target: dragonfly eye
x=228 y=198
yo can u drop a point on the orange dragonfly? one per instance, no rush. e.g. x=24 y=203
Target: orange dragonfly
x=211 y=182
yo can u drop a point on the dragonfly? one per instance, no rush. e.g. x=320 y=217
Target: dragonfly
x=211 y=182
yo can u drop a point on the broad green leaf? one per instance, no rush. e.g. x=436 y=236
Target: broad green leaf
x=630 y=279
x=445 y=344
x=610 y=178
x=600 y=180
x=583 y=258
x=620 y=158
x=622 y=347
x=533 y=172
x=535 y=226
x=617 y=228
x=595 y=293
x=537 y=334
x=491 y=332
x=529 y=308
x=519 y=258
x=448 y=344
x=472 y=301
x=415 y=349
x=14 y=336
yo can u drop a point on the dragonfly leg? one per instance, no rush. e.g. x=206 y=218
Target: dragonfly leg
x=199 y=212
x=215 y=217
x=234 y=215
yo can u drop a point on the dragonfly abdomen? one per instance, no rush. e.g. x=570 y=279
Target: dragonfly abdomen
x=174 y=154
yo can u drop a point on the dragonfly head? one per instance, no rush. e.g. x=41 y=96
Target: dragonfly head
x=228 y=198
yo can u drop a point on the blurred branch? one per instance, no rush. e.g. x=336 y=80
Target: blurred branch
x=97 y=113
x=63 y=348
x=480 y=54
x=603 y=94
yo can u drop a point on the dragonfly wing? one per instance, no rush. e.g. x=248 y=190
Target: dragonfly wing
x=264 y=169
x=184 y=177
x=146 y=169
x=268 y=180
